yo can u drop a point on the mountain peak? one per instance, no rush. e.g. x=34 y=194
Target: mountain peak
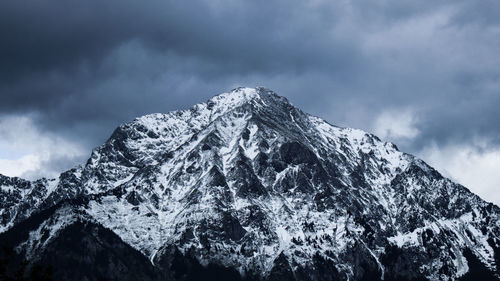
x=248 y=181
x=248 y=93
x=242 y=95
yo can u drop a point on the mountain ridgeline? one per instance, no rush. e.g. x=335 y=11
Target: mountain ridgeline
x=248 y=187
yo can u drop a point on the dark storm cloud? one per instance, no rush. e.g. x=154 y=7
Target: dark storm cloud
x=48 y=42
x=62 y=36
x=83 y=67
x=66 y=59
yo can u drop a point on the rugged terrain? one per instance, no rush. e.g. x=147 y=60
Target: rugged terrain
x=247 y=186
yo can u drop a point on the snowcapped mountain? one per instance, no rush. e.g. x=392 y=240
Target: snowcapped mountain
x=247 y=186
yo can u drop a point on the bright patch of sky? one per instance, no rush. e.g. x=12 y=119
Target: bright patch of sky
x=25 y=150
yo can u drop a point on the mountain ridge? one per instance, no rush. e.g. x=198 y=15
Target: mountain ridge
x=248 y=181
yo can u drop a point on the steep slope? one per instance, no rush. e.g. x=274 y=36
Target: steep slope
x=250 y=183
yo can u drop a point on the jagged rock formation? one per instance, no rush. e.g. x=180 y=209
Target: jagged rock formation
x=248 y=186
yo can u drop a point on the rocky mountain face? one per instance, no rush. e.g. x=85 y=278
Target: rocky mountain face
x=248 y=187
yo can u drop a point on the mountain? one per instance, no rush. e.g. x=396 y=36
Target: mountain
x=248 y=187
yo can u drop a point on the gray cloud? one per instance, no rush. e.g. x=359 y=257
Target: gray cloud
x=80 y=68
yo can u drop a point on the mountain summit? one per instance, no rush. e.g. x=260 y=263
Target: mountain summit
x=247 y=186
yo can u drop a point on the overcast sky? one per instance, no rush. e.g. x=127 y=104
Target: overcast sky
x=422 y=74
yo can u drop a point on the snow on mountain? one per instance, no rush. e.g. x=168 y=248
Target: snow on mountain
x=250 y=182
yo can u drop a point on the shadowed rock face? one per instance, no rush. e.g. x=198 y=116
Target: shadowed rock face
x=248 y=187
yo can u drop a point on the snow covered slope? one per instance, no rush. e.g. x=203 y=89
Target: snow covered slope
x=248 y=182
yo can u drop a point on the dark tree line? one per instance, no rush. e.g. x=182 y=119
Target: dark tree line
x=13 y=269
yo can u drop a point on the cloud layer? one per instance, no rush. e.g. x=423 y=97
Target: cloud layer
x=32 y=153
x=423 y=74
